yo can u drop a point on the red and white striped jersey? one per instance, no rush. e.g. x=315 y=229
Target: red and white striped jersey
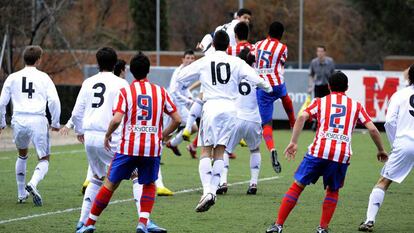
x=271 y=56
x=143 y=104
x=235 y=50
x=337 y=116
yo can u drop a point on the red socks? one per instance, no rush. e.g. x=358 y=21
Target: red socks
x=268 y=137
x=195 y=142
x=101 y=201
x=328 y=207
x=288 y=203
x=147 y=202
x=288 y=106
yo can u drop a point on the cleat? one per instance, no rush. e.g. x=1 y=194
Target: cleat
x=192 y=151
x=152 y=227
x=252 y=190
x=87 y=229
x=141 y=228
x=84 y=186
x=321 y=230
x=21 y=200
x=243 y=143
x=232 y=156
x=37 y=199
x=163 y=191
x=79 y=226
x=186 y=135
x=174 y=149
x=275 y=228
x=206 y=202
x=366 y=227
x=275 y=163
x=222 y=189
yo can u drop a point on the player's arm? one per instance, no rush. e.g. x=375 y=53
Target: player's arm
x=391 y=119
x=376 y=137
x=65 y=129
x=113 y=125
x=195 y=85
x=78 y=111
x=4 y=100
x=53 y=103
x=171 y=110
x=291 y=149
x=190 y=73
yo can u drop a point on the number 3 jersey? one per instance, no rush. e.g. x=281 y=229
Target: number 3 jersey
x=93 y=107
x=143 y=104
x=337 y=116
x=30 y=90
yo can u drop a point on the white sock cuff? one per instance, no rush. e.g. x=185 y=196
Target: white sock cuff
x=144 y=215
x=96 y=182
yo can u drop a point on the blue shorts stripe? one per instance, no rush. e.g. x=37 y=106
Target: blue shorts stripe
x=291 y=197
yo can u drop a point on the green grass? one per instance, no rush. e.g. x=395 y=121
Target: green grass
x=234 y=212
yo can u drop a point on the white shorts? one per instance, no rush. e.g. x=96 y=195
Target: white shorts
x=216 y=125
x=34 y=128
x=98 y=157
x=400 y=162
x=182 y=110
x=250 y=131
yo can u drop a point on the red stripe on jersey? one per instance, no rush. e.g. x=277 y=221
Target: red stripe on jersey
x=154 y=118
x=133 y=119
x=326 y=125
x=143 y=122
x=346 y=127
x=123 y=91
x=272 y=54
x=359 y=107
x=164 y=108
x=318 y=103
x=335 y=130
x=121 y=98
x=282 y=50
x=229 y=50
x=366 y=116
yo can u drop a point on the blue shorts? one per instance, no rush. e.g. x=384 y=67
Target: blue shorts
x=266 y=100
x=122 y=167
x=311 y=168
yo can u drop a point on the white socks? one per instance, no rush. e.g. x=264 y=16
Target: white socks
x=255 y=161
x=90 y=194
x=158 y=182
x=225 y=171
x=137 y=190
x=218 y=166
x=375 y=201
x=177 y=139
x=195 y=112
x=39 y=172
x=21 y=163
x=204 y=168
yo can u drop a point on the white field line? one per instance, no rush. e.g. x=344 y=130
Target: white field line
x=121 y=201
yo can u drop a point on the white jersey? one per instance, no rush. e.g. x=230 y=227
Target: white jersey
x=180 y=93
x=399 y=121
x=246 y=104
x=207 y=41
x=30 y=90
x=93 y=107
x=220 y=75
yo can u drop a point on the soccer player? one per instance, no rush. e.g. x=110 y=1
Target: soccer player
x=399 y=125
x=271 y=56
x=220 y=75
x=241 y=31
x=139 y=108
x=120 y=67
x=30 y=90
x=182 y=97
x=330 y=152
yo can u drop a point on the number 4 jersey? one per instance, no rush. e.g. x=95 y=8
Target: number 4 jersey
x=337 y=116
x=93 y=107
x=30 y=90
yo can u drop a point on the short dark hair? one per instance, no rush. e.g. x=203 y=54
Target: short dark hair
x=247 y=56
x=139 y=66
x=322 y=47
x=242 y=31
x=338 y=82
x=31 y=54
x=276 y=30
x=243 y=11
x=188 y=52
x=221 y=40
x=119 y=67
x=106 y=58
x=411 y=75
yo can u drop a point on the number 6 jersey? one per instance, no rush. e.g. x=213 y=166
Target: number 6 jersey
x=30 y=89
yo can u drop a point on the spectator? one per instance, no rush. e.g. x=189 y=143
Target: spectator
x=320 y=69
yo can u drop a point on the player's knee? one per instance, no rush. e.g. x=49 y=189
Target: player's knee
x=257 y=150
x=383 y=183
x=44 y=158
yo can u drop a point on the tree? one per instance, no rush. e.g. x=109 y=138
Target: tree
x=143 y=13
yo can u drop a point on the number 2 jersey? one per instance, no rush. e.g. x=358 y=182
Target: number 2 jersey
x=93 y=107
x=337 y=116
x=143 y=104
x=30 y=90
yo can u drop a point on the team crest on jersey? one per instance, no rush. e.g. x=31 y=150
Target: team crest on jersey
x=143 y=129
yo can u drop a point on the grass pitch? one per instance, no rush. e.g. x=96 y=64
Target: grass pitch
x=233 y=212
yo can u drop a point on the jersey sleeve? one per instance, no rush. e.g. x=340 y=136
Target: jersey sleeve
x=363 y=116
x=391 y=118
x=189 y=74
x=120 y=102
x=79 y=110
x=4 y=100
x=169 y=106
x=53 y=103
x=312 y=109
